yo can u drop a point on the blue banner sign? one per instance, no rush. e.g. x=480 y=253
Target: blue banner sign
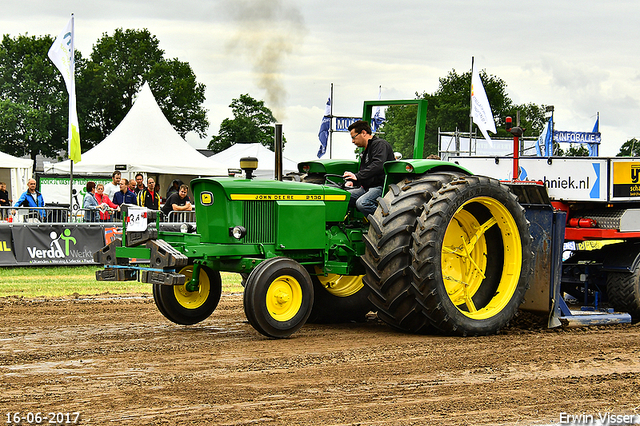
x=576 y=137
x=343 y=123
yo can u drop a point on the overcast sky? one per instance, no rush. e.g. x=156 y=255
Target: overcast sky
x=579 y=56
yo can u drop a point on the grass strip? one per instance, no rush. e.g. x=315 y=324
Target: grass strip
x=59 y=281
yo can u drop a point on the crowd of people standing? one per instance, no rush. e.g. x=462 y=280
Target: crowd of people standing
x=102 y=202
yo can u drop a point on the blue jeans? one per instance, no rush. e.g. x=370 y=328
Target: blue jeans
x=366 y=201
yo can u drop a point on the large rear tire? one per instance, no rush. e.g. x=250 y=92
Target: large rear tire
x=388 y=258
x=189 y=307
x=473 y=257
x=623 y=292
x=278 y=297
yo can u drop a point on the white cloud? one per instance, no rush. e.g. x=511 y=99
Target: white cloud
x=576 y=55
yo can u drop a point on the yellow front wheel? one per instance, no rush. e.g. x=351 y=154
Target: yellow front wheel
x=278 y=297
x=181 y=306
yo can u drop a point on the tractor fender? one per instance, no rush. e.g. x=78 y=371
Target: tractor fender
x=622 y=257
x=420 y=167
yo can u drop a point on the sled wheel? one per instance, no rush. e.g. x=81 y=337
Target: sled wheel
x=473 y=256
x=189 y=307
x=339 y=298
x=623 y=292
x=387 y=257
x=278 y=297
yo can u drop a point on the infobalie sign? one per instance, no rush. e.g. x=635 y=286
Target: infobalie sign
x=576 y=137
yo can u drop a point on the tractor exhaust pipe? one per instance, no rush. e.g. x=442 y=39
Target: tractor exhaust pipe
x=278 y=150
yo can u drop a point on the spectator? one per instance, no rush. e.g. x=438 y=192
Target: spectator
x=31 y=198
x=4 y=200
x=132 y=186
x=148 y=197
x=125 y=195
x=112 y=187
x=90 y=204
x=174 y=188
x=103 y=199
x=178 y=202
x=139 y=183
x=370 y=176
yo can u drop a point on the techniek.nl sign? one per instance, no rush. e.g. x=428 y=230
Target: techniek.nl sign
x=578 y=180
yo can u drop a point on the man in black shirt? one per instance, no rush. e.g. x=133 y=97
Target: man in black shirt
x=370 y=177
x=178 y=202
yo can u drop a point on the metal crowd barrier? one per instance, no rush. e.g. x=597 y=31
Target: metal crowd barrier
x=175 y=216
x=67 y=215
x=54 y=215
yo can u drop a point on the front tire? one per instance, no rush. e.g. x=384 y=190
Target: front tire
x=473 y=257
x=278 y=297
x=189 y=307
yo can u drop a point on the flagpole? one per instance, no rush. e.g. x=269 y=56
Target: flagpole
x=470 y=110
x=331 y=125
x=73 y=72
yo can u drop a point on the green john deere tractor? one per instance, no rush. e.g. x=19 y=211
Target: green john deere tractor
x=445 y=251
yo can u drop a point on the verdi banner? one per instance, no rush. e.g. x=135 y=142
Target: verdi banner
x=6 y=247
x=56 y=244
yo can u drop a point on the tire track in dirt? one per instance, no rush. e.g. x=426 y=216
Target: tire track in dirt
x=118 y=361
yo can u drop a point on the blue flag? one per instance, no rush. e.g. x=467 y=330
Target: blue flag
x=325 y=126
x=544 y=145
x=377 y=119
x=593 y=148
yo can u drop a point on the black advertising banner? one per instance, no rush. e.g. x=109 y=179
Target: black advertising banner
x=6 y=247
x=56 y=244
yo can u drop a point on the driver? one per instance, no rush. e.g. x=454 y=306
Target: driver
x=370 y=177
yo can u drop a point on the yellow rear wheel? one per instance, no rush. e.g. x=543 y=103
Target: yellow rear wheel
x=340 y=285
x=465 y=257
x=473 y=256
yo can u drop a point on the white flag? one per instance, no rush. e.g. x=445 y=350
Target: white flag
x=480 y=108
x=61 y=54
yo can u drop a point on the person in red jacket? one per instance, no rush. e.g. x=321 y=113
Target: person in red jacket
x=102 y=198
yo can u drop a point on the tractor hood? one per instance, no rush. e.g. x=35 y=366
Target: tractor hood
x=225 y=202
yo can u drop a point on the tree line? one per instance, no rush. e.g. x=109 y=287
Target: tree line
x=34 y=101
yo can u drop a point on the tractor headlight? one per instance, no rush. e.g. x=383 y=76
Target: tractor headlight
x=186 y=228
x=238 y=232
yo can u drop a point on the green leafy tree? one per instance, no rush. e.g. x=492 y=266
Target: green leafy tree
x=630 y=148
x=448 y=109
x=34 y=104
x=117 y=68
x=253 y=122
x=577 y=150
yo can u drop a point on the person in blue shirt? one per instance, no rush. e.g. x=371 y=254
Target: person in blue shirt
x=125 y=195
x=31 y=198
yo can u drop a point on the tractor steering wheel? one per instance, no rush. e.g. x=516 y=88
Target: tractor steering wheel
x=330 y=182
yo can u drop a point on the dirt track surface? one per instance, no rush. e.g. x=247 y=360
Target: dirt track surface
x=118 y=361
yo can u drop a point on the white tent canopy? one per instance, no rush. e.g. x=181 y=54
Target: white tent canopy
x=15 y=172
x=144 y=142
x=266 y=159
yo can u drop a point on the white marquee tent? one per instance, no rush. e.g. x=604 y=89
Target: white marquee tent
x=266 y=159
x=144 y=142
x=15 y=172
